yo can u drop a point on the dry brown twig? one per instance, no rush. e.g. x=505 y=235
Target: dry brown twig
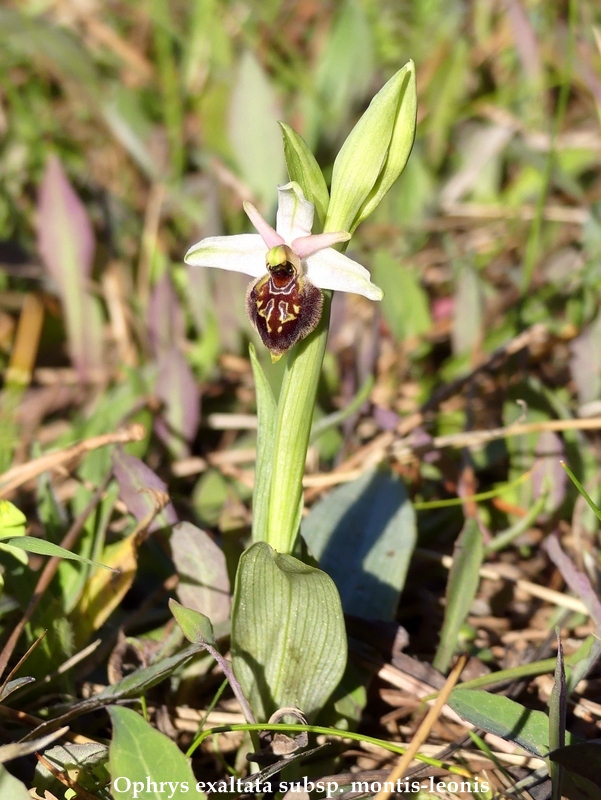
x=424 y=729
x=17 y=476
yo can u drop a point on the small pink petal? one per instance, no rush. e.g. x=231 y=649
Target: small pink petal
x=442 y=307
x=269 y=235
x=307 y=245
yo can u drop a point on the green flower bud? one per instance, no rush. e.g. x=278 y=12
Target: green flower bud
x=375 y=152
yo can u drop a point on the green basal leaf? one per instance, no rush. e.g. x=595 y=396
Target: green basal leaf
x=43 y=548
x=288 y=637
x=140 y=758
x=506 y=718
x=462 y=586
x=267 y=417
x=304 y=169
x=375 y=153
x=196 y=627
x=363 y=535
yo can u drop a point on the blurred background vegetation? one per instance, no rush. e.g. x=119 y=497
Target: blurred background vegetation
x=130 y=130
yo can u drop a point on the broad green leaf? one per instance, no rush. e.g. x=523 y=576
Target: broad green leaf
x=506 y=718
x=304 y=169
x=203 y=578
x=19 y=555
x=44 y=548
x=288 y=637
x=140 y=758
x=197 y=628
x=363 y=535
x=253 y=129
x=88 y=760
x=375 y=153
x=405 y=302
x=267 y=418
x=462 y=586
x=12 y=787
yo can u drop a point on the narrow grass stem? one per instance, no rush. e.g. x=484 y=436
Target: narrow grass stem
x=335 y=732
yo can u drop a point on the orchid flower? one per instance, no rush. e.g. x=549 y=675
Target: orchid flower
x=289 y=265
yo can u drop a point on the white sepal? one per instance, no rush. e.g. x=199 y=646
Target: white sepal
x=242 y=253
x=329 y=269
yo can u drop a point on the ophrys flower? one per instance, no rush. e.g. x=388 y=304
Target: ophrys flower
x=290 y=266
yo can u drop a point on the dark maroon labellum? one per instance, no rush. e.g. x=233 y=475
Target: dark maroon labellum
x=284 y=307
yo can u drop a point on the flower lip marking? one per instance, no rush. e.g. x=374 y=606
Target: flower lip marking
x=283 y=305
x=289 y=265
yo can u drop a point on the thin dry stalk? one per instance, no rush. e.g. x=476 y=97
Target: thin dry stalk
x=424 y=729
x=17 y=476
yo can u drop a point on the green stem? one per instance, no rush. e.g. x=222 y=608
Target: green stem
x=392 y=747
x=295 y=415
